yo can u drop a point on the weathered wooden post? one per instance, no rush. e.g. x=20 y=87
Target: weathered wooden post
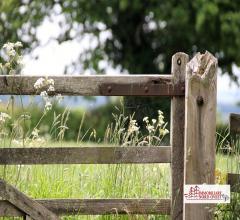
x=179 y=62
x=200 y=128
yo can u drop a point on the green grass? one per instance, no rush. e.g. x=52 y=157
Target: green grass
x=96 y=181
x=91 y=181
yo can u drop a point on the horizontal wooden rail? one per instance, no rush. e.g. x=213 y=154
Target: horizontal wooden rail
x=234 y=123
x=234 y=181
x=96 y=206
x=100 y=85
x=85 y=155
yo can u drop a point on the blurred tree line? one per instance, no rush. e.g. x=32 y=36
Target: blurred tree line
x=143 y=34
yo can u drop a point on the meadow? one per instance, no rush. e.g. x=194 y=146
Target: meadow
x=97 y=181
x=20 y=126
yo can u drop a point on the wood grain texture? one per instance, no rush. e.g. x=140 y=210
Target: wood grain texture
x=7 y=209
x=234 y=123
x=200 y=129
x=234 y=181
x=27 y=205
x=179 y=62
x=103 y=206
x=125 y=85
x=85 y=155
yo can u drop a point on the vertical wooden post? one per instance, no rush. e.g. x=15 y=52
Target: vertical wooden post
x=179 y=61
x=200 y=129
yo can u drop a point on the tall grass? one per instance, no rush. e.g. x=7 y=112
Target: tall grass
x=94 y=181
x=230 y=163
x=87 y=181
x=104 y=181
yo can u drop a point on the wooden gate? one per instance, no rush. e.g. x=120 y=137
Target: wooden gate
x=192 y=88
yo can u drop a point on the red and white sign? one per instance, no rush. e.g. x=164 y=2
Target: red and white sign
x=206 y=193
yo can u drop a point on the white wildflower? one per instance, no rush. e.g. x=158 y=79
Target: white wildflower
x=160 y=118
x=25 y=116
x=7 y=65
x=39 y=83
x=35 y=133
x=51 y=88
x=133 y=126
x=59 y=97
x=145 y=119
x=48 y=106
x=18 y=44
x=163 y=132
x=11 y=53
x=43 y=94
x=50 y=82
x=44 y=83
x=19 y=60
x=154 y=121
x=150 y=128
x=4 y=117
x=8 y=46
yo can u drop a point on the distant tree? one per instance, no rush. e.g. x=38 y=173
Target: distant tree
x=144 y=34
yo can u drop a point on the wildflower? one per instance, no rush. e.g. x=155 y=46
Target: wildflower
x=51 y=88
x=4 y=117
x=59 y=98
x=7 y=65
x=39 y=83
x=11 y=53
x=25 y=116
x=145 y=119
x=50 y=82
x=43 y=94
x=8 y=46
x=154 y=121
x=18 y=44
x=163 y=132
x=160 y=118
x=150 y=128
x=44 y=83
x=35 y=133
x=19 y=60
x=48 y=106
x=133 y=126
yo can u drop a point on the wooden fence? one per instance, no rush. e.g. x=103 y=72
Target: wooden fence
x=234 y=126
x=192 y=88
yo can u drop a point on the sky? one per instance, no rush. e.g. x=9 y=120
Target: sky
x=54 y=57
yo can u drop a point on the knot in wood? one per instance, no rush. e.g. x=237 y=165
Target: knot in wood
x=109 y=89
x=179 y=61
x=146 y=89
x=200 y=100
